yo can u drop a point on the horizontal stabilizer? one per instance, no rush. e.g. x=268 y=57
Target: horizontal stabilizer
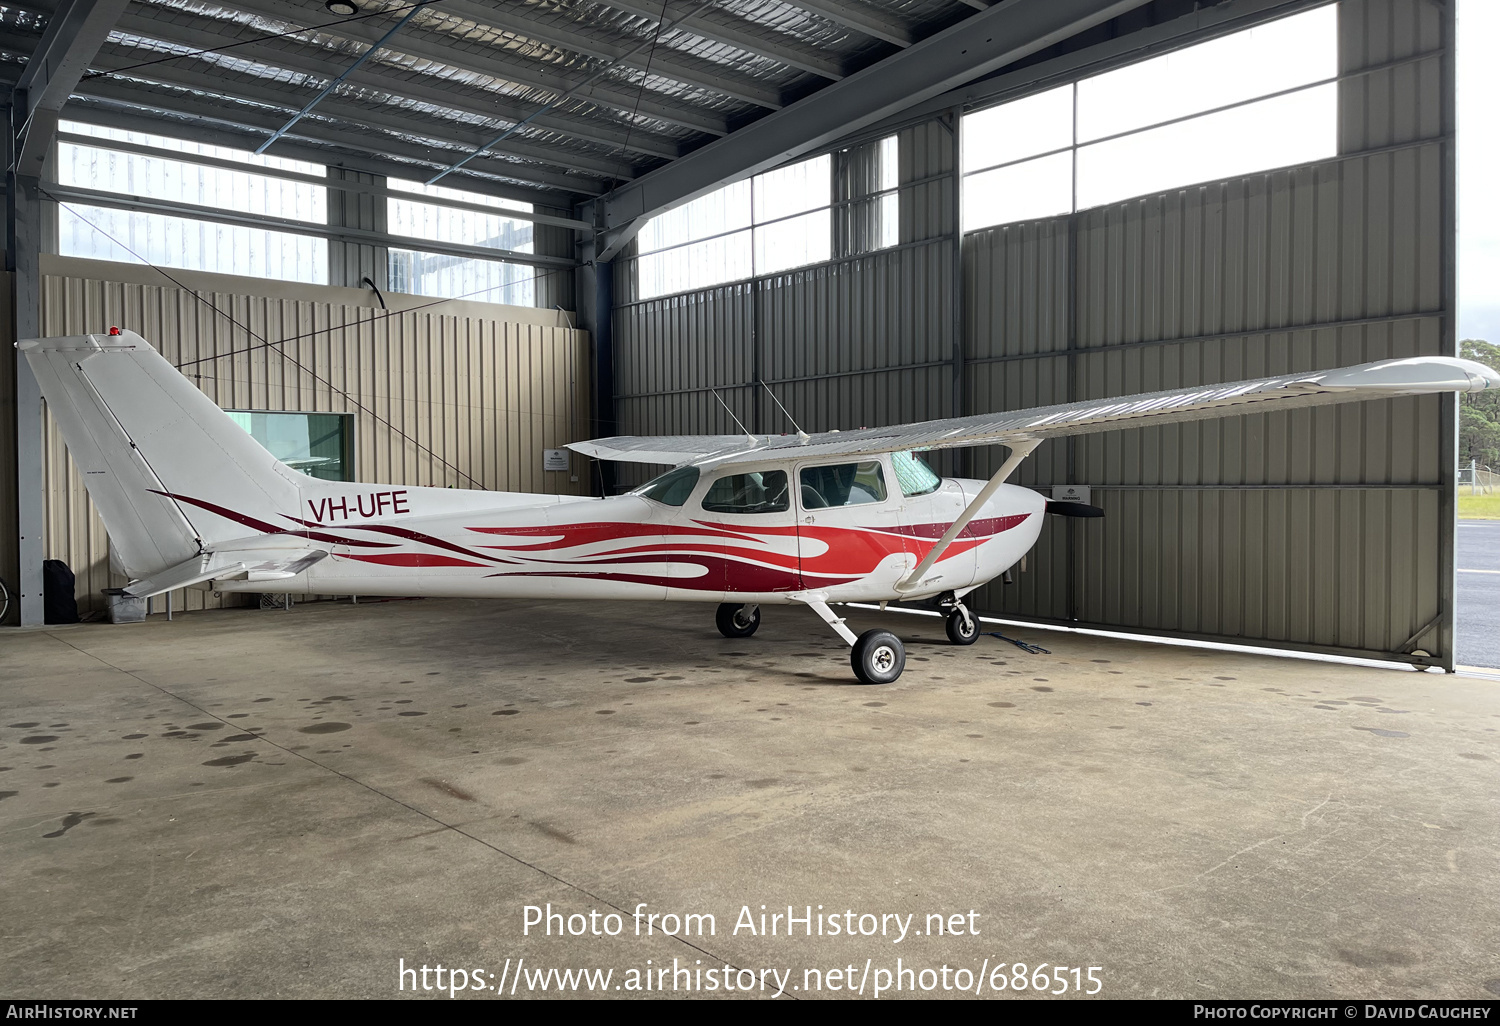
x=184 y=574
x=1387 y=378
x=233 y=566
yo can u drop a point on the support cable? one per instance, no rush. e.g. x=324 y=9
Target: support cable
x=279 y=346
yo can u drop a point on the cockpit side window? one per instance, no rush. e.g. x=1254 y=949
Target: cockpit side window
x=843 y=484
x=760 y=491
x=672 y=488
x=913 y=475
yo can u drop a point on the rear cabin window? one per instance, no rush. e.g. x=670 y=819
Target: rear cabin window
x=672 y=488
x=913 y=475
x=760 y=491
x=844 y=484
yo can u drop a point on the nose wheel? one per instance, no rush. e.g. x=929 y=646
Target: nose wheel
x=962 y=628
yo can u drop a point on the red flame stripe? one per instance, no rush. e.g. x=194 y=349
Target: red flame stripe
x=261 y=525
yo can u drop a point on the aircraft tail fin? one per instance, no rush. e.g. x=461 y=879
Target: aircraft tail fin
x=171 y=474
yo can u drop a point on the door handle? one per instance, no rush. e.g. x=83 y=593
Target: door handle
x=809 y=520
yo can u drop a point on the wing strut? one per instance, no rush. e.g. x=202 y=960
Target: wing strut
x=1020 y=449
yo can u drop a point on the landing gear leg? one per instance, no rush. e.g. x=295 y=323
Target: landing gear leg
x=877 y=656
x=737 y=620
x=962 y=626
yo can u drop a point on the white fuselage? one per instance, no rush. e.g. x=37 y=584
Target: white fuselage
x=388 y=540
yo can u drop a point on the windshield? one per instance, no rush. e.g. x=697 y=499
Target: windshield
x=672 y=488
x=913 y=475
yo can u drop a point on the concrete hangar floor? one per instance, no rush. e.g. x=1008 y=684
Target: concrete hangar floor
x=250 y=803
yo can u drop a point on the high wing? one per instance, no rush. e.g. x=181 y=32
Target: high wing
x=1383 y=379
x=671 y=449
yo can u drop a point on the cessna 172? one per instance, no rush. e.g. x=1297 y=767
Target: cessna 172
x=191 y=500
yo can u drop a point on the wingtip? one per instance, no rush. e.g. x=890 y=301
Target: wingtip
x=1482 y=377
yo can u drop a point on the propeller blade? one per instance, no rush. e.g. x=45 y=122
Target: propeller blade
x=1073 y=509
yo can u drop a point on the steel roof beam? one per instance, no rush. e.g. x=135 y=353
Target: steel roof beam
x=334 y=84
x=741 y=39
x=214 y=109
x=858 y=17
x=467 y=99
x=976 y=46
x=74 y=33
x=93 y=197
x=427 y=45
x=395 y=119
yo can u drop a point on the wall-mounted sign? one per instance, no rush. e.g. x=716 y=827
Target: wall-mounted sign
x=1071 y=493
x=554 y=459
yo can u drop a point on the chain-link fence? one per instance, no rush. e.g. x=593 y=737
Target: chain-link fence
x=1476 y=480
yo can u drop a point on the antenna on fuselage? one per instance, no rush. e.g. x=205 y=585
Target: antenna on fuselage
x=732 y=417
x=803 y=435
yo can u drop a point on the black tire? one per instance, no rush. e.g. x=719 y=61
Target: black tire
x=727 y=618
x=878 y=657
x=958 y=632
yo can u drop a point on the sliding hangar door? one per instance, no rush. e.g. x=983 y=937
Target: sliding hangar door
x=1270 y=192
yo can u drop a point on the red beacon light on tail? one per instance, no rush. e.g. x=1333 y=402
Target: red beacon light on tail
x=113 y=330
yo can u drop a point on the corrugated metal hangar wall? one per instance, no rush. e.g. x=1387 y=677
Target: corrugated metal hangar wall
x=1326 y=529
x=462 y=394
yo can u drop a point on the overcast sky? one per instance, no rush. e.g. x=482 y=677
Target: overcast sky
x=1478 y=170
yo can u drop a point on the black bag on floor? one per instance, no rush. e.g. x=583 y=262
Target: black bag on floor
x=59 y=605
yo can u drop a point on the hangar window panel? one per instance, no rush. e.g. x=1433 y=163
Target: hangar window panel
x=319 y=445
x=804 y=186
x=696 y=266
x=190 y=147
x=795 y=242
x=1267 y=59
x=890 y=199
x=107 y=233
x=1293 y=129
x=721 y=211
x=866 y=207
x=181 y=181
x=433 y=220
x=1034 y=188
x=103 y=233
x=1019 y=129
x=770 y=223
x=455 y=277
x=1202 y=113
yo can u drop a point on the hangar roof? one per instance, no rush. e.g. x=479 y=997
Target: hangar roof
x=552 y=100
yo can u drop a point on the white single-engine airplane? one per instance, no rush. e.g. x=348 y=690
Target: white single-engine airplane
x=191 y=500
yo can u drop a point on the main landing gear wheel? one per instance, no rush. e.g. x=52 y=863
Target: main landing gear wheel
x=962 y=630
x=878 y=657
x=737 y=620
